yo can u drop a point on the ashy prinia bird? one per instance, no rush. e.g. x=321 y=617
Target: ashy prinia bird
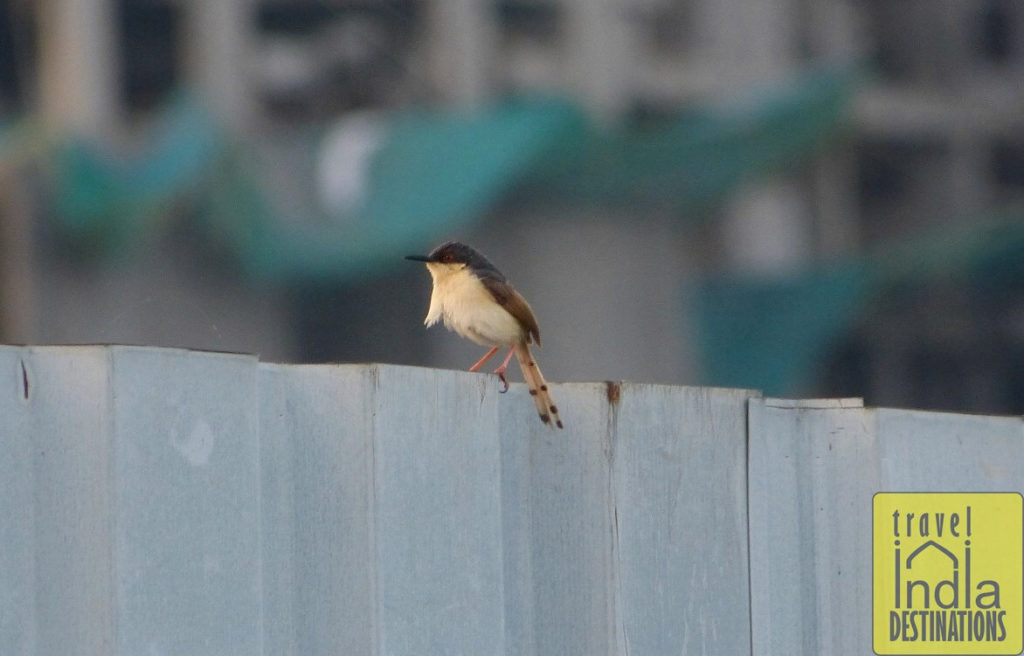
x=476 y=301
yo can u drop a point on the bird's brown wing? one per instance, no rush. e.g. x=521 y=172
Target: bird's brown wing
x=514 y=304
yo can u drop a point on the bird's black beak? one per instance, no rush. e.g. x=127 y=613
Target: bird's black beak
x=419 y=258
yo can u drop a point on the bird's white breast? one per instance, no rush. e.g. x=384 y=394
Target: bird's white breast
x=465 y=305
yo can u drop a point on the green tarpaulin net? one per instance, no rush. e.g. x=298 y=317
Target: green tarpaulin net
x=436 y=172
x=773 y=335
x=692 y=161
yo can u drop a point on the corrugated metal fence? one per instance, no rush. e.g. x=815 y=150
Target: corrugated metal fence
x=163 y=501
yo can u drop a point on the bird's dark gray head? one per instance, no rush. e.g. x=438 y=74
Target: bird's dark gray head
x=455 y=252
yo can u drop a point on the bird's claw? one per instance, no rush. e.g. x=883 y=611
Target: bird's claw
x=501 y=377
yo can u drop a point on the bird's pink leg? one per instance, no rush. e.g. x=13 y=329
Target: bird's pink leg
x=484 y=359
x=504 y=366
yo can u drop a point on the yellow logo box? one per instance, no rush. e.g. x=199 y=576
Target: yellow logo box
x=948 y=573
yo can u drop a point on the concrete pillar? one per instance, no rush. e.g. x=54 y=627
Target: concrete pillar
x=78 y=71
x=967 y=186
x=17 y=285
x=836 y=33
x=461 y=48
x=600 y=57
x=746 y=40
x=218 y=54
x=836 y=30
x=767 y=227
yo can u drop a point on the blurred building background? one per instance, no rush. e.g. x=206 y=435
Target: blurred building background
x=810 y=197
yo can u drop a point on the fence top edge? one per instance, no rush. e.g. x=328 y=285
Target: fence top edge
x=813 y=404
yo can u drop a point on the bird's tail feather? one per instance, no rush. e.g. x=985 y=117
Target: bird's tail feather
x=538 y=387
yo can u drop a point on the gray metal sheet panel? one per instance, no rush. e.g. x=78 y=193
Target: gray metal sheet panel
x=145 y=501
x=559 y=523
x=944 y=452
x=382 y=506
x=17 y=504
x=71 y=427
x=679 y=501
x=630 y=525
x=814 y=470
x=812 y=475
x=519 y=424
x=278 y=510
x=186 y=483
x=437 y=511
x=320 y=565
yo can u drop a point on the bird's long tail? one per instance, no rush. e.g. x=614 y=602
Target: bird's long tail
x=538 y=387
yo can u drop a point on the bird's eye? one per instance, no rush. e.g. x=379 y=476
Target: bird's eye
x=447 y=258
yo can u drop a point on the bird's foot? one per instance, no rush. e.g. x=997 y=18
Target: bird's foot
x=501 y=376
